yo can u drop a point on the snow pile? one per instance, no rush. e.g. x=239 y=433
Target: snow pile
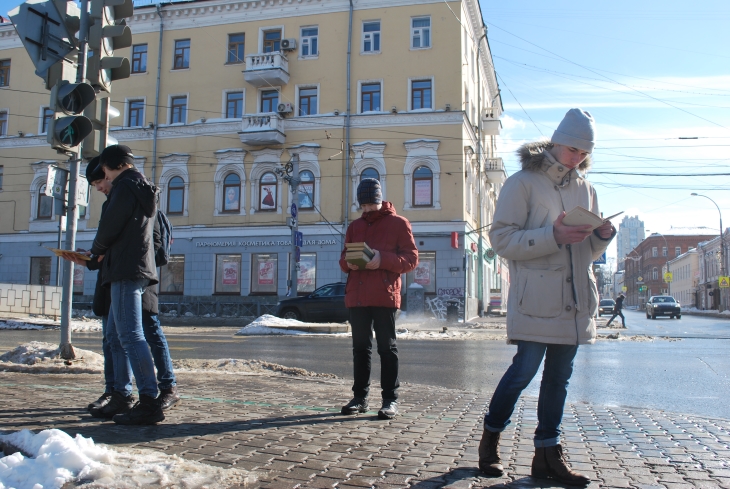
x=244 y=367
x=39 y=357
x=268 y=324
x=52 y=458
x=81 y=324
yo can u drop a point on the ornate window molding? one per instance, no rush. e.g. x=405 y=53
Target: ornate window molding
x=229 y=161
x=308 y=160
x=40 y=173
x=139 y=162
x=174 y=165
x=368 y=154
x=422 y=152
x=264 y=161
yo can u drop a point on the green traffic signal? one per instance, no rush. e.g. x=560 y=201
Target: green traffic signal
x=66 y=133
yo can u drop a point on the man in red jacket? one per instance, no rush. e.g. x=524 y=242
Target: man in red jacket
x=372 y=294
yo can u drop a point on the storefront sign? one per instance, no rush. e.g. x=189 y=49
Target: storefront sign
x=223 y=244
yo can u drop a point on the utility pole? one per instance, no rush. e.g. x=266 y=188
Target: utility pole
x=290 y=173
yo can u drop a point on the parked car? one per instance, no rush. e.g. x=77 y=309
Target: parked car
x=606 y=307
x=324 y=305
x=663 y=305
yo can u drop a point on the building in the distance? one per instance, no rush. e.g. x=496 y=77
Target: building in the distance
x=241 y=87
x=630 y=234
x=709 y=257
x=685 y=278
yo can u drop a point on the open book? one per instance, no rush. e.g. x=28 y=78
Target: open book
x=580 y=216
x=58 y=252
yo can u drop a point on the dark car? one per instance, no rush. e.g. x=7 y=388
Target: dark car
x=606 y=307
x=324 y=305
x=663 y=305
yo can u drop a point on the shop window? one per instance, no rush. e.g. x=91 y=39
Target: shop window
x=175 y=196
x=45 y=204
x=172 y=276
x=232 y=193
x=236 y=43
x=227 y=274
x=307 y=276
x=40 y=270
x=267 y=192
x=425 y=273
x=306 y=190
x=264 y=273
x=78 y=280
x=422 y=187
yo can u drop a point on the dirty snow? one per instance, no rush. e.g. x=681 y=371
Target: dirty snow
x=40 y=357
x=52 y=458
x=268 y=324
x=244 y=367
x=79 y=324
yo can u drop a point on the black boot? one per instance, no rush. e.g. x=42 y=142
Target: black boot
x=101 y=402
x=549 y=463
x=146 y=411
x=356 y=405
x=489 y=461
x=168 y=398
x=118 y=404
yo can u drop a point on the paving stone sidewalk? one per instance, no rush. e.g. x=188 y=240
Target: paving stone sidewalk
x=287 y=431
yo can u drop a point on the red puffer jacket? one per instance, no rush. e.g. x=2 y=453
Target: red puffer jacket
x=391 y=235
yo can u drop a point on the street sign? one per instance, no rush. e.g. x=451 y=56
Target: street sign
x=624 y=289
x=57 y=183
x=601 y=260
x=298 y=254
x=294 y=210
x=299 y=239
x=724 y=282
x=668 y=277
x=640 y=279
x=82 y=192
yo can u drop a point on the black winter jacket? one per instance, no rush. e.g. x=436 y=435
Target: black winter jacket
x=125 y=235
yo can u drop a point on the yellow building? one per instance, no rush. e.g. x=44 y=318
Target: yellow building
x=224 y=92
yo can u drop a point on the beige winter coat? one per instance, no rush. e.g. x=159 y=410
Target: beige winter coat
x=552 y=293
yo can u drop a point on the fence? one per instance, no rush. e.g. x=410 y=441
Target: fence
x=30 y=299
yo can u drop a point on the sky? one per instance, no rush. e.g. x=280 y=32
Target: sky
x=650 y=73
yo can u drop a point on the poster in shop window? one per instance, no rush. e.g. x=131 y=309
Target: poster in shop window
x=307 y=273
x=268 y=197
x=78 y=276
x=266 y=272
x=422 y=191
x=422 y=274
x=230 y=273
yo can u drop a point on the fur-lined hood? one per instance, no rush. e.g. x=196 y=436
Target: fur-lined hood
x=532 y=155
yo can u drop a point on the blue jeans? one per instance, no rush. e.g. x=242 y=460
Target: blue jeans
x=127 y=311
x=117 y=361
x=553 y=389
x=106 y=349
x=160 y=351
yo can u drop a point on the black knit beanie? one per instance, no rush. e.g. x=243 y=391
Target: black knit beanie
x=116 y=156
x=369 y=192
x=94 y=171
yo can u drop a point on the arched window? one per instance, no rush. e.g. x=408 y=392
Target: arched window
x=175 y=196
x=655 y=274
x=306 y=190
x=370 y=173
x=231 y=193
x=267 y=192
x=422 y=187
x=45 y=204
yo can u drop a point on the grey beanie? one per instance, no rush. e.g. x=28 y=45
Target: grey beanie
x=576 y=130
x=369 y=191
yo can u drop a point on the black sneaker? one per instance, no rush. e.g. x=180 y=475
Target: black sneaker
x=168 y=398
x=389 y=409
x=101 y=402
x=146 y=411
x=356 y=405
x=118 y=404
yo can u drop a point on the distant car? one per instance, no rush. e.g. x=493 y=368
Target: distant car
x=663 y=305
x=606 y=307
x=324 y=305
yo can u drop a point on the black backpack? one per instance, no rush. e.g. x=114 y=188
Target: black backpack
x=162 y=257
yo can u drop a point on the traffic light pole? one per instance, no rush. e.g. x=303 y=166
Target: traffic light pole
x=294 y=185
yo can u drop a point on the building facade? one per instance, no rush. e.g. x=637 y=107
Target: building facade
x=223 y=93
x=630 y=234
x=685 y=278
x=709 y=293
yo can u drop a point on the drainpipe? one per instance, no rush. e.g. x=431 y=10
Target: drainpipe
x=157 y=99
x=480 y=255
x=346 y=149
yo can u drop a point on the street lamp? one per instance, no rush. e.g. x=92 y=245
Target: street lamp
x=722 y=243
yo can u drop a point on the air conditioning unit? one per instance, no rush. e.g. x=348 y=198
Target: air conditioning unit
x=288 y=44
x=283 y=108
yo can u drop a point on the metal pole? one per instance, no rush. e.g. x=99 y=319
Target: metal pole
x=60 y=234
x=480 y=253
x=346 y=149
x=293 y=264
x=83 y=41
x=157 y=100
x=67 y=350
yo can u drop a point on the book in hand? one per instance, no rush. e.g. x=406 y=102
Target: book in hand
x=358 y=254
x=580 y=216
x=58 y=252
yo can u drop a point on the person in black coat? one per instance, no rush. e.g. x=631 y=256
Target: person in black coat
x=617 y=311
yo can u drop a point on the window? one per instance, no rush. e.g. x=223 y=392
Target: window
x=172 y=276
x=654 y=251
x=677 y=250
x=422 y=187
x=139 y=58
x=421 y=95
x=307 y=101
x=236 y=44
x=371 y=37
x=309 y=41
x=370 y=173
x=227 y=274
x=272 y=41
x=421 y=32
x=425 y=273
x=4 y=73
x=182 y=55
x=1 y=177
x=234 y=105
x=306 y=190
x=40 y=270
x=370 y=97
x=267 y=192
x=655 y=274
x=307 y=276
x=175 y=196
x=269 y=100
x=664 y=251
x=46 y=120
x=264 y=273
x=179 y=110
x=136 y=113
x=231 y=193
x=45 y=204
x=3 y=123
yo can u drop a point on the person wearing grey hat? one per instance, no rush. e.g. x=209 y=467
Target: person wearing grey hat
x=372 y=294
x=552 y=295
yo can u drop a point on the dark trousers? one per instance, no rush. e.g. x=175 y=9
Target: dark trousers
x=363 y=320
x=617 y=313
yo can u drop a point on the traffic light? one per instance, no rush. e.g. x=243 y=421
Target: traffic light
x=69 y=99
x=108 y=32
x=99 y=112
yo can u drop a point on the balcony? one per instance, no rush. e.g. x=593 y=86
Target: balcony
x=494 y=170
x=491 y=127
x=267 y=69
x=262 y=129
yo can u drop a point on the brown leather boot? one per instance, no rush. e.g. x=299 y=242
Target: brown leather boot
x=489 y=461
x=549 y=463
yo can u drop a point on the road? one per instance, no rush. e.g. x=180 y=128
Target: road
x=686 y=375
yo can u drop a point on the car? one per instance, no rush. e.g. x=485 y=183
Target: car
x=606 y=306
x=325 y=305
x=663 y=305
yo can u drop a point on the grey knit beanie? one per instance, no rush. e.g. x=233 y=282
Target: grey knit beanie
x=369 y=191
x=576 y=130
